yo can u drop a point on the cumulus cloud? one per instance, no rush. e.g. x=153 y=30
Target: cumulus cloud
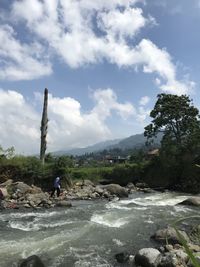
x=19 y=122
x=20 y=61
x=68 y=125
x=82 y=32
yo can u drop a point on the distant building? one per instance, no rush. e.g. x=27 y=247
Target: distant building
x=153 y=153
x=114 y=159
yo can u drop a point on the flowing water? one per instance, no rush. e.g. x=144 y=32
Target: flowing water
x=90 y=233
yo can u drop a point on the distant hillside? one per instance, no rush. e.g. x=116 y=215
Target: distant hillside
x=131 y=142
x=94 y=148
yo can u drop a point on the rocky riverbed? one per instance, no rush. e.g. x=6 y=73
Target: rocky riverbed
x=20 y=195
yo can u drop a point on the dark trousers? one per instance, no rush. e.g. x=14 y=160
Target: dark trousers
x=55 y=189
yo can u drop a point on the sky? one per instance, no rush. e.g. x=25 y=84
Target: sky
x=103 y=62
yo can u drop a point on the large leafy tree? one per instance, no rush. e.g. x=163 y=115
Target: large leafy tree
x=178 y=121
x=175 y=117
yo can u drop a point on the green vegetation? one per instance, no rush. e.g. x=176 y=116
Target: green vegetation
x=175 y=121
x=178 y=120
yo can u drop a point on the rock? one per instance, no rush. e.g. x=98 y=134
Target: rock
x=147 y=190
x=88 y=182
x=131 y=186
x=3 y=192
x=106 y=194
x=168 y=260
x=35 y=190
x=142 y=185
x=169 y=248
x=32 y=261
x=117 y=190
x=170 y=235
x=147 y=257
x=37 y=198
x=181 y=255
x=20 y=187
x=95 y=195
x=26 y=205
x=192 y=201
x=99 y=190
x=6 y=183
x=122 y=257
x=64 y=203
x=194 y=247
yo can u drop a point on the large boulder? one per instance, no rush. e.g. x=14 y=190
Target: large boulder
x=32 y=261
x=20 y=187
x=37 y=199
x=192 y=201
x=147 y=257
x=117 y=190
x=169 y=234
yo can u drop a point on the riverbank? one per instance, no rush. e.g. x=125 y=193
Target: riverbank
x=18 y=195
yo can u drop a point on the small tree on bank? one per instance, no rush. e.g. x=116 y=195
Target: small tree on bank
x=43 y=128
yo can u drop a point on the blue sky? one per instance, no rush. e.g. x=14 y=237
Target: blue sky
x=103 y=62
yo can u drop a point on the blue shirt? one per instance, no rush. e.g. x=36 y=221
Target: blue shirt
x=57 y=182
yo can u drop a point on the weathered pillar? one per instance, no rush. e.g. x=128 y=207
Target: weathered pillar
x=43 y=128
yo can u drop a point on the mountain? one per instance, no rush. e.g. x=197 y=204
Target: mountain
x=131 y=142
x=94 y=148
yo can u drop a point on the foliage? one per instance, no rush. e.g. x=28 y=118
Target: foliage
x=175 y=116
x=178 y=120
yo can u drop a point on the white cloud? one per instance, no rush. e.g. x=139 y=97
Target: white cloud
x=19 y=122
x=68 y=125
x=121 y=24
x=85 y=32
x=144 y=100
x=20 y=61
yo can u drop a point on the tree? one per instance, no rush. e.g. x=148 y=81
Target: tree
x=44 y=125
x=178 y=121
x=176 y=117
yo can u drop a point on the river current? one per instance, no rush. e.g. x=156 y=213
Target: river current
x=91 y=232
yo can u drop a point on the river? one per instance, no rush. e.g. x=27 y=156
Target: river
x=90 y=233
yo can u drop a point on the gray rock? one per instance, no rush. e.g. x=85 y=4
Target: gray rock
x=27 y=205
x=122 y=257
x=142 y=185
x=37 y=198
x=64 y=203
x=117 y=190
x=20 y=187
x=147 y=257
x=168 y=260
x=181 y=255
x=192 y=201
x=32 y=261
x=88 y=182
x=170 y=235
x=99 y=190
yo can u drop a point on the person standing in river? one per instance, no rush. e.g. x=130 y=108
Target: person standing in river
x=56 y=187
